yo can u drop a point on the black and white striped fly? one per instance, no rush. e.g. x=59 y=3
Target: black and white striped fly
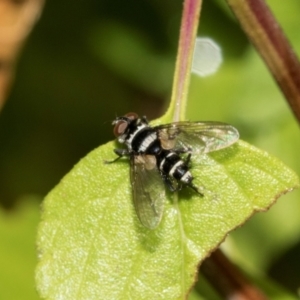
x=160 y=156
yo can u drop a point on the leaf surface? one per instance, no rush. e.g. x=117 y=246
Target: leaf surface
x=92 y=245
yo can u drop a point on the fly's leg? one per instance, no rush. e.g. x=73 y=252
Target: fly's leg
x=120 y=153
x=188 y=159
x=145 y=120
x=171 y=186
x=190 y=184
x=168 y=182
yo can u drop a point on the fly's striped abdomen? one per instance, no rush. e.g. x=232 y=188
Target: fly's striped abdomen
x=172 y=165
x=167 y=161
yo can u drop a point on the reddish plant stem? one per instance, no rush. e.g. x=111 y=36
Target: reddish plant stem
x=266 y=35
x=188 y=33
x=228 y=280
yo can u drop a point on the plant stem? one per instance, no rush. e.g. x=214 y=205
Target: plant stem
x=188 y=32
x=266 y=35
x=228 y=280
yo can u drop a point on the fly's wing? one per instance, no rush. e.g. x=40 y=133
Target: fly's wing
x=197 y=137
x=148 y=190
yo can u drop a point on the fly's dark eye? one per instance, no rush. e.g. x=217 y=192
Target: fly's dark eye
x=131 y=116
x=120 y=128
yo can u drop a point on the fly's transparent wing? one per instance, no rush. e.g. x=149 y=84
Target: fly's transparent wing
x=197 y=137
x=148 y=190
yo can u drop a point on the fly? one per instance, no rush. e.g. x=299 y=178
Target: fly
x=156 y=157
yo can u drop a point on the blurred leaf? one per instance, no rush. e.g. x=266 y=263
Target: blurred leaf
x=205 y=289
x=93 y=246
x=195 y=296
x=271 y=289
x=17 y=248
x=128 y=53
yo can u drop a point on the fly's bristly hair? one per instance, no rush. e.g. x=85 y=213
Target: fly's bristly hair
x=156 y=157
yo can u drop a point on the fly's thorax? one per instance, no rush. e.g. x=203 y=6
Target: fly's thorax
x=144 y=140
x=133 y=131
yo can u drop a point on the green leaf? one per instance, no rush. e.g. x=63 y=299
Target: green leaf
x=92 y=246
x=17 y=248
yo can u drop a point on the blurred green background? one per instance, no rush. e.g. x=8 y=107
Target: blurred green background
x=88 y=61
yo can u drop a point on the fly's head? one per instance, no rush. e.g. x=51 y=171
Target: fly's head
x=123 y=126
